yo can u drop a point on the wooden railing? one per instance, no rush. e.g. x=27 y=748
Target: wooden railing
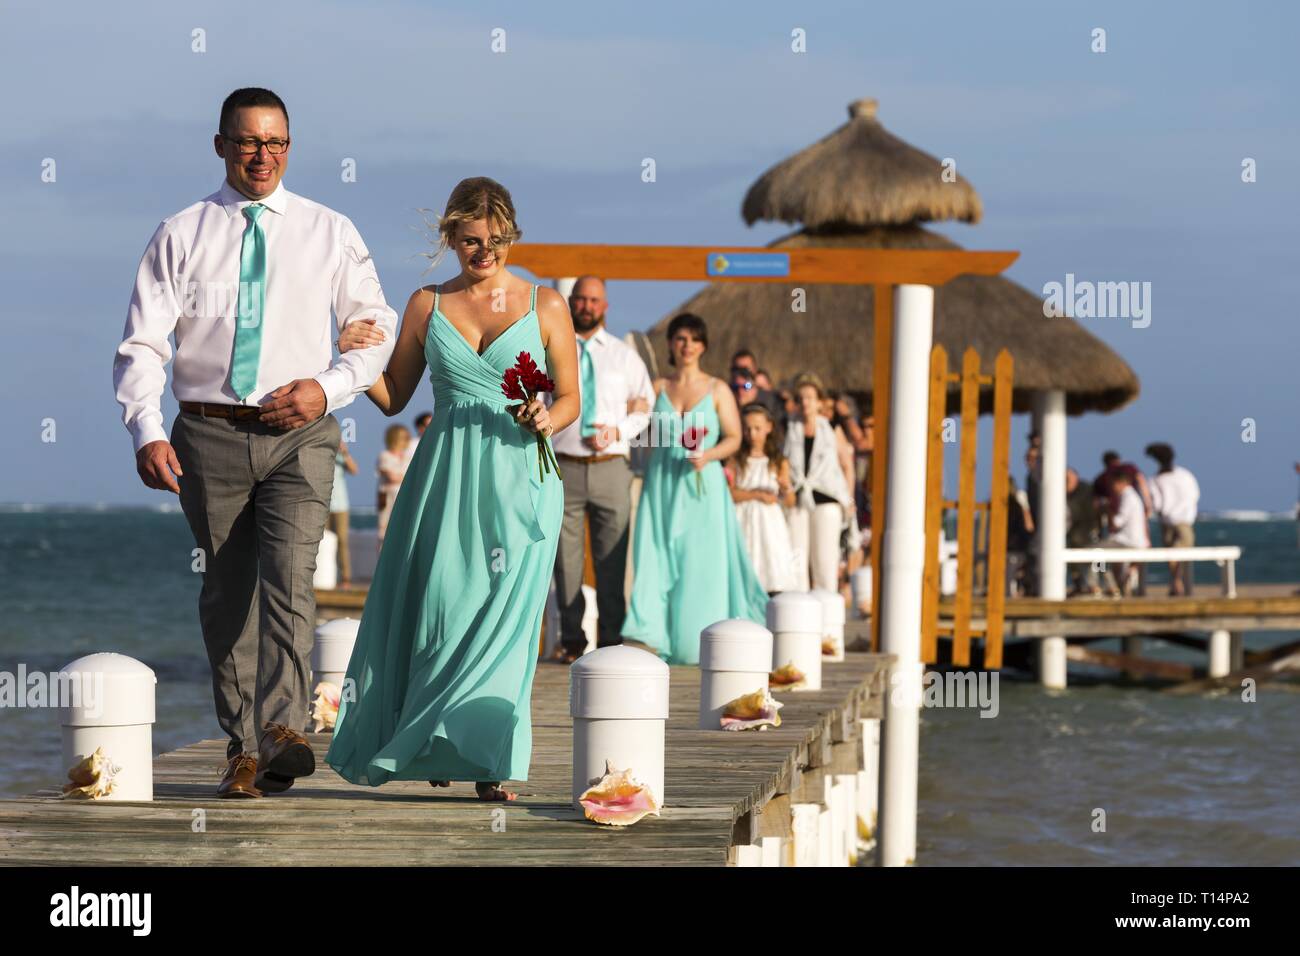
x=961 y=629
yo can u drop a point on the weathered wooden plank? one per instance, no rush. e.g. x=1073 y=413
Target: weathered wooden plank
x=716 y=785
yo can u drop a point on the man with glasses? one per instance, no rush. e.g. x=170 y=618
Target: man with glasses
x=246 y=280
x=744 y=385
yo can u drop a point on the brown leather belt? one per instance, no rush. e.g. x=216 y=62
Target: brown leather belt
x=238 y=413
x=587 y=459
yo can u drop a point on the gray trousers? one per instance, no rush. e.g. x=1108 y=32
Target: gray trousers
x=603 y=491
x=257 y=499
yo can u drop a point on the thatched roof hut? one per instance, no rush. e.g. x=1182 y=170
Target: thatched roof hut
x=835 y=336
x=861 y=175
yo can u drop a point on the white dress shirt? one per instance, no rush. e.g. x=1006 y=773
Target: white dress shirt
x=188 y=283
x=620 y=376
x=1175 y=496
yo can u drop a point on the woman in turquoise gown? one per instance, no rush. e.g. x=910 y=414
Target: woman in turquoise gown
x=690 y=565
x=438 y=686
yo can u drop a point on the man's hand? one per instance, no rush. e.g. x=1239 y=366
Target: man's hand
x=299 y=403
x=602 y=437
x=155 y=462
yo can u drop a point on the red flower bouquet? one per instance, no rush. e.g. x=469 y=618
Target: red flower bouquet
x=523 y=381
x=691 y=438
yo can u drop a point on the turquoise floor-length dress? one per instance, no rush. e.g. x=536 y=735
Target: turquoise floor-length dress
x=691 y=568
x=447 y=646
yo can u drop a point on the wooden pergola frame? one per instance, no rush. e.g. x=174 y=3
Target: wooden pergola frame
x=881 y=268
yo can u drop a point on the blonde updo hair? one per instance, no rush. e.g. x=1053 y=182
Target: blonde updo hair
x=809 y=380
x=475 y=198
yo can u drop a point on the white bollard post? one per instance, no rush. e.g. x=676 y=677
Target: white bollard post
x=735 y=658
x=804 y=823
x=825 y=838
x=773 y=849
x=903 y=560
x=833 y=617
x=748 y=855
x=326 y=575
x=848 y=786
x=1220 y=651
x=333 y=649
x=795 y=620
x=869 y=784
x=860 y=584
x=1051 y=531
x=618 y=699
x=106 y=703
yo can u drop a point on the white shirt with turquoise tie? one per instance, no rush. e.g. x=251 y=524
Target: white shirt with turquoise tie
x=320 y=277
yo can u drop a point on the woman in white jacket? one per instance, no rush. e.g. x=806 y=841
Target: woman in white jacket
x=822 y=480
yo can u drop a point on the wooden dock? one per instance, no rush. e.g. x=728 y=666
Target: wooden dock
x=724 y=791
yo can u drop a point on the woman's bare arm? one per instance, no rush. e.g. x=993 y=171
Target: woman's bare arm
x=398 y=382
x=560 y=342
x=729 y=420
x=783 y=481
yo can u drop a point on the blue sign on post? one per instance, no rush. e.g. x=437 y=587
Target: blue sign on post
x=748 y=264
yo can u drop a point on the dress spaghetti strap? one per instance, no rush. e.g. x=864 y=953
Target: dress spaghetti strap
x=532 y=302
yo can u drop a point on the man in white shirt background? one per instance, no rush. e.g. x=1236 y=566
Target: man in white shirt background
x=1128 y=528
x=246 y=281
x=1175 y=498
x=593 y=454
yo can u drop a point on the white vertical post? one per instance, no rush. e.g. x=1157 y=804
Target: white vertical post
x=773 y=850
x=1220 y=663
x=804 y=820
x=1051 y=530
x=565 y=285
x=869 y=775
x=902 y=561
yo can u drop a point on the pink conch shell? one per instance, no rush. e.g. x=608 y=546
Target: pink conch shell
x=92 y=777
x=325 y=707
x=752 y=711
x=618 y=799
x=787 y=677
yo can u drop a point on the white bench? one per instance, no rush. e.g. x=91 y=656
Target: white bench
x=1225 y=556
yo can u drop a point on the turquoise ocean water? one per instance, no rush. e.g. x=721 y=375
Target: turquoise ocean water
x=1182 y=780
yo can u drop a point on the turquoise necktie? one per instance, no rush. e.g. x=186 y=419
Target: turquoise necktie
x=252 y=300
x=588 y=389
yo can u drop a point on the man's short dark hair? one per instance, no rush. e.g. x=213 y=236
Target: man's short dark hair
x=250 y=96
x=743 y=353
x=1162 y=452
x=1109 y=457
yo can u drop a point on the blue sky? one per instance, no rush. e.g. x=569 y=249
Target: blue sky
x=1116 y=166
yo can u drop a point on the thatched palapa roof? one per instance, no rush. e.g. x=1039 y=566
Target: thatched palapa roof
x=860 y=175
x=863 y=187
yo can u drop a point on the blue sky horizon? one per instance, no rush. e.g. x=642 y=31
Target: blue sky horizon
x=1117 y=166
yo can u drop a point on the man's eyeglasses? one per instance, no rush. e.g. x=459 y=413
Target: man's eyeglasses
x=247 y=147
x=741 y=386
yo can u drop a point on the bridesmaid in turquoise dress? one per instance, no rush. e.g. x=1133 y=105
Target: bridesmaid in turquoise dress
x=691 y=568
x=445 y=654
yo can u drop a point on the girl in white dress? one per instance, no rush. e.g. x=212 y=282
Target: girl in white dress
x=760 y=487
x=390 y=469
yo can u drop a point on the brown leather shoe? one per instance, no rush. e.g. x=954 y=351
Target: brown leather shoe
x=240 y=778
x=283 y=754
